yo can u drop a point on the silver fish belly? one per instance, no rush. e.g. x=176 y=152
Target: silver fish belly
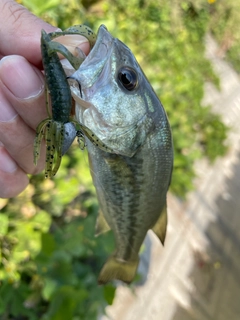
x=119 y=106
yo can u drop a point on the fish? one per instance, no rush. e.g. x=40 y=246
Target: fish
x=119 y=109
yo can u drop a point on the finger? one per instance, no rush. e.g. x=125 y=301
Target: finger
x=12 y=179
x=22 y=105
x=18 y=140
x=21 y=31
x=23 y=87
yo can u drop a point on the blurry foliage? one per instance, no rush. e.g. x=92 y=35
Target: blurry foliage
x=225 y=17
x=49 y=258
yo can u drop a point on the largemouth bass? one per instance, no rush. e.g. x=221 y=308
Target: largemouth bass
x=132 y=173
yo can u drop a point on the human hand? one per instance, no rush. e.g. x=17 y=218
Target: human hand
x=22 y=96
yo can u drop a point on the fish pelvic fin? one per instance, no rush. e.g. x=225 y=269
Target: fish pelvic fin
x=115 y=269
x=160 y=227
x=101 y=224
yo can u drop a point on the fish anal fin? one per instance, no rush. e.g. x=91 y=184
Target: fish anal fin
x=160 y=227
x=101 y=224
x=115 y=269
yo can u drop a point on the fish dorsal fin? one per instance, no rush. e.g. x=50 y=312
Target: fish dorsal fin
x=160 y=227
x=101 y=224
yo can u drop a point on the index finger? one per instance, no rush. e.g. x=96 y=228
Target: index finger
x=20 y=32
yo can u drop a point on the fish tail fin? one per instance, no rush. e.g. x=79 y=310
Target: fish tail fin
x=115 y=269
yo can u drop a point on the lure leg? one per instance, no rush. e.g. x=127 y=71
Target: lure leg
x=58 y=146
x=94 y=139
x=38 y=139
x=50 y=150
x=58 y=47
x=81 y=139
x=77 y=29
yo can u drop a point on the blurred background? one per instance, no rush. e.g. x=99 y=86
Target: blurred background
x=49 y=258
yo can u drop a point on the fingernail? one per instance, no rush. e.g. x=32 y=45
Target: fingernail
x=7 y=164
x=7 y=113
x=20 y=77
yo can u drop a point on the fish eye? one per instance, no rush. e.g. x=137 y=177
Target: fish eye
x=128 y=78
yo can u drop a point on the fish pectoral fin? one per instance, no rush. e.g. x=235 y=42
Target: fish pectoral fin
x=160 y=227
x=101 y=224
x=115 y=269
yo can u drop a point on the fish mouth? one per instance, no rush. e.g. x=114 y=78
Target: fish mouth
x=101 y=47
x=89 y=79
x=102 y=34
x=86 y=75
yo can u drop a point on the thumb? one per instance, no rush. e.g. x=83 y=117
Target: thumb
x=20 y=32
